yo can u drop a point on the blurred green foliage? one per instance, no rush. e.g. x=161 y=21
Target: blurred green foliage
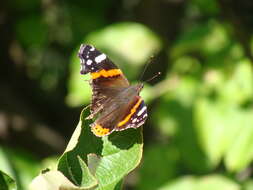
x=199 y=134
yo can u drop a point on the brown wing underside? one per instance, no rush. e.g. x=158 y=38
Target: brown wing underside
x=104 y=89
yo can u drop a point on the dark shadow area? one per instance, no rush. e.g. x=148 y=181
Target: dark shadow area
x=127 y=138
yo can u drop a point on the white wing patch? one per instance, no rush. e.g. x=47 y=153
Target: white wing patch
x=141 y=111
x=100 y=58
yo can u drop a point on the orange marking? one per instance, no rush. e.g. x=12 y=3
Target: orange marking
x=104 y=73
x=132 y=111
x=100 y=131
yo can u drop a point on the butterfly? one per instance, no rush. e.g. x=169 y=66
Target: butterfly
x=115 y=105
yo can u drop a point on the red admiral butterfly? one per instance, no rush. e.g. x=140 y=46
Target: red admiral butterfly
x=116 y=103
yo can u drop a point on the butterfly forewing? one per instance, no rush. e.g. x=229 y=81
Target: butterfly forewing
x=107 y=79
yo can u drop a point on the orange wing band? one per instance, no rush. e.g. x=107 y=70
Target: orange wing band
x=100 y=131
x=104 y=73
x=132 y=111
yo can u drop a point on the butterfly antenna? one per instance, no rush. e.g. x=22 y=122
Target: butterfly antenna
x=146 y=66
x=153 y=77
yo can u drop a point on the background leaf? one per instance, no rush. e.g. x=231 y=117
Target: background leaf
x=6 y=182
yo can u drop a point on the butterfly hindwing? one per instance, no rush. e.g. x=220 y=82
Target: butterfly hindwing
x=121 y=116
x=135 y=117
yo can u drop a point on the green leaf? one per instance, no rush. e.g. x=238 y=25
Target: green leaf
x=238 y=87
x=218 y=125
x=217 y=182
x=240 y=153
x=118 y=154
x=206 y=38
x=20 y=165
x=175 y=116
x=184 y=183
x=224 y=116
x=88 y=180
x=52 y=180
x=165 y=158
x=5 y=164
x=210 y=128
x=248 y=185
x=6 y=182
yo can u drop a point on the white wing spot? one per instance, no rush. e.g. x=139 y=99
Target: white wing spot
x=100 y=58
x=134 y=120
x=89 y=62
x=141 y=111
x=92 y=49
x=141 y=123
x=145 y=115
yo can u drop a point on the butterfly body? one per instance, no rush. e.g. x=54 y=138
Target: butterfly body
x=116 y=104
